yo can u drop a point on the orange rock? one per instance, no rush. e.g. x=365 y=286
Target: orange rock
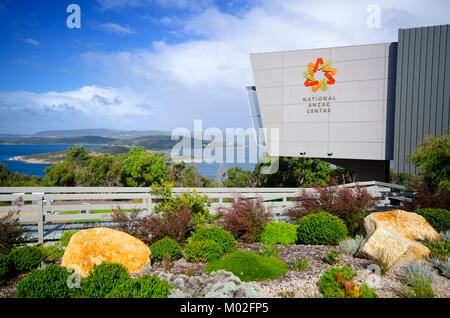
x=97 y=245
x=409 y=224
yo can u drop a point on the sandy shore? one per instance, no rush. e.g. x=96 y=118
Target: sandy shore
x=32 y=160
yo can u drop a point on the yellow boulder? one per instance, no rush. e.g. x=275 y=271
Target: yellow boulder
x=408 y=224
x=97 y=245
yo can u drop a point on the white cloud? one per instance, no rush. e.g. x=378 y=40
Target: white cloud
x=88 y=100
x=32 y=41
x=116 y=28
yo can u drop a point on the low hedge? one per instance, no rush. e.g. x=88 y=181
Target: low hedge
x=103 y=279
x=439 y=219
x=26 y=258
x=49 y=282
x=6 y=266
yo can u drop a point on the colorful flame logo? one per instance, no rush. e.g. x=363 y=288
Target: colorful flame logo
x=327 y=71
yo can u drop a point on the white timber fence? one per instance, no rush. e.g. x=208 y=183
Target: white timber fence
x=43 y=205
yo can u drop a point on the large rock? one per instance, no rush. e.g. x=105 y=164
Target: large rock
x=391 y=235
x=409 y=224
x=97 y=245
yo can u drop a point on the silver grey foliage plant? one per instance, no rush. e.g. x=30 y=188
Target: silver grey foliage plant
x=443 y=266
x=220 y=284
x=351 y=246
x=414 y=269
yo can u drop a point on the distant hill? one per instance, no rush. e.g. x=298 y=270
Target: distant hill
x=60 y=141
x=107 y=133
x=159 y=142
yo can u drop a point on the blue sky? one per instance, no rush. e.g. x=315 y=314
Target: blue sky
x=161 y=64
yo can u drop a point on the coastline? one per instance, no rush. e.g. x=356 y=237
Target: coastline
x=32 y=160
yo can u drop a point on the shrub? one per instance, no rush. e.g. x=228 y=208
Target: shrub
x=279 y=233
x=65 y=238
x=51 y=252
x=222 y=237
x=441 y=264
x=249 y=266
x=337 y=282
x=165 y=246
x=246 y=219
x=333 y=257
x=147 y=286
x=351 y=246
x=175 y=225
x=432 y=159
x=349 y=204
x=438 y=248
x=11 y=233
x=415 y=268
x=439 y=219
x=26 y=258
x=49 y=282
x=173 y=203
x=103 y=279
x=202 y=251
x=321 y=229
x=416 y=278
x=270 y=251
x=445 y=236
x=6 y=266
x=424 y=197
x=128 y=222
x=299 y=265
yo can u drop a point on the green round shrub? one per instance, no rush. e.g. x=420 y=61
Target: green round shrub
x=279 y=233
x=439 y=219
x=330 y=286
x=249 y=266
x=26 y=258
x=224 y=238
x=165 y=246
x=49 y=282
x=202 y=251
x=6 y=266
x=103 y=279
x=321 y=229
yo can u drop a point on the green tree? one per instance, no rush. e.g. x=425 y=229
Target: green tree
x=142 y=168
x=73 y=171
x=240 y=178
x=295 y=172
x=432 y=159
x=105 y=170
x=15 y=179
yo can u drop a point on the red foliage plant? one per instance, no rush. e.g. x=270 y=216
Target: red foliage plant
x=426 y=198
x=349 y=204
x=246 y=219
x=176 y=225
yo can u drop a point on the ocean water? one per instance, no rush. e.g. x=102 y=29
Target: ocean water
x=209 y=170
x=9 y=151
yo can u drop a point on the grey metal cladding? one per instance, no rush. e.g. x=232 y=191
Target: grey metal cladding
x=422 y=90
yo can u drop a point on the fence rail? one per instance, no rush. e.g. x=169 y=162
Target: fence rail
x=49 y=205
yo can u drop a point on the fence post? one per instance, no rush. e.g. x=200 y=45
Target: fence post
x=40 y=220
x=149 y=203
